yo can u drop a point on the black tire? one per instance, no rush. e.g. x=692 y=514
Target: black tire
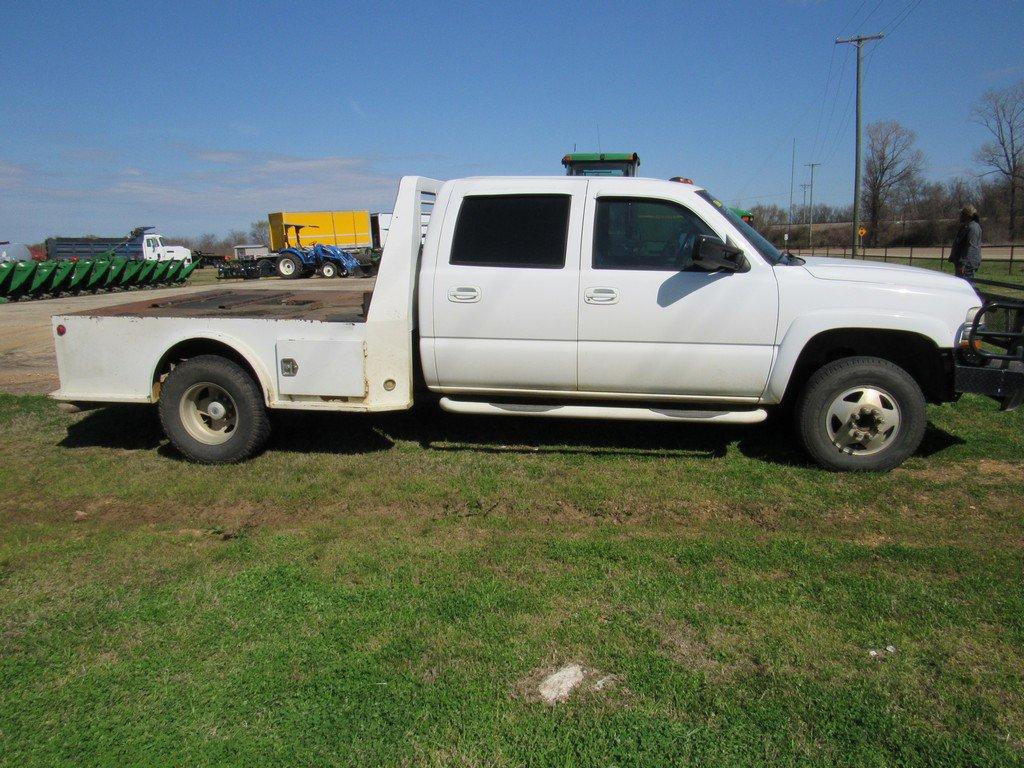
x=289 y=268
x=904 y=407
x=252 y=425
x=328 y=269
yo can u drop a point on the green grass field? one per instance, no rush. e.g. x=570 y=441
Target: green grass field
x=388 y=591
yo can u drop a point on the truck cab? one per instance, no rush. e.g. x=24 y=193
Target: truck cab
x=154 y=249
x=563 y=297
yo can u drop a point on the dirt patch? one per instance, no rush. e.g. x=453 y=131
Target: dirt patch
x=718 y=653
x=574 y=679
x=983 y=470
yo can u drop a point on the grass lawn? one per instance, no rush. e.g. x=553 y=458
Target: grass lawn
x=388 y=591
x=990 y=270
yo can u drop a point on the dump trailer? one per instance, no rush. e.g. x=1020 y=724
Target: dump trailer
x=342 y=229
x=141 y=244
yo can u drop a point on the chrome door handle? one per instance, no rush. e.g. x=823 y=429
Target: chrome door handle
x=464 y=294
x=601 y=296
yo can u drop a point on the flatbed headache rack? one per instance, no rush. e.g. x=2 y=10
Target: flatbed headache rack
x=994 y=346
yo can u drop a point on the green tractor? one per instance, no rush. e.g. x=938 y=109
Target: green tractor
x=601 y=164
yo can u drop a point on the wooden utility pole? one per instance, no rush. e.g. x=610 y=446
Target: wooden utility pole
x=810 y=217
x=858 y=41
x=792 y=177
x=804 y=188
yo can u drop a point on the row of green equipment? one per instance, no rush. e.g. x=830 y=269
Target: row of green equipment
x=33 y=279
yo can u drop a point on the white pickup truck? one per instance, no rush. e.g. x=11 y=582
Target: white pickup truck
x=600 y=298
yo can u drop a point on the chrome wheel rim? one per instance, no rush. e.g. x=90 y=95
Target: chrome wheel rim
x=208 y=413
x=863 y=420
x=328 y=270
x=287 y=266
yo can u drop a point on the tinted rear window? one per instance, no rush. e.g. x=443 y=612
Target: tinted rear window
x=512 y=231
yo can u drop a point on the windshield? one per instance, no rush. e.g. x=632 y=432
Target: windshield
x=770 y=253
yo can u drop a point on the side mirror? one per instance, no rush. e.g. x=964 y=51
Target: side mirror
x=712 y=254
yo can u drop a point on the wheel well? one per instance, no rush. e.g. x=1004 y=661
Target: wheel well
x=916 y=354
x=189 y=348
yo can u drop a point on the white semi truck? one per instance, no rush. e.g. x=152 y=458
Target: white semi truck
x=560 y=297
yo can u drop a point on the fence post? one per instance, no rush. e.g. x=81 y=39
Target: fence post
x=942 y=259
x=910 y=261
x=1012 y=246
x=885 y=254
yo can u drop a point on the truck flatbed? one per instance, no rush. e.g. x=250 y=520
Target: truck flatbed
x=328 y=306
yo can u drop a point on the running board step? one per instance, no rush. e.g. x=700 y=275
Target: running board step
x=621 y=413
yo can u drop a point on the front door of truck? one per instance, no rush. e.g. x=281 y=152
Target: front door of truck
x=650 y=322
x=503 y=288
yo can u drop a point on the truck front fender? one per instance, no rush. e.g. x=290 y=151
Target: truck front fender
x=806 y=327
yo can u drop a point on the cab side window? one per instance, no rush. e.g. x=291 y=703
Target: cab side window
x=638 y=233
x=512 y=231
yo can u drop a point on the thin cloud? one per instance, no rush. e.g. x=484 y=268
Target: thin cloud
x=215 y=190
x=357 y=108
x=222 y=156
x=999 y=74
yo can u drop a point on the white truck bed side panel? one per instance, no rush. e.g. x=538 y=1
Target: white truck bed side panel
x=115 y=359
x=327 y=368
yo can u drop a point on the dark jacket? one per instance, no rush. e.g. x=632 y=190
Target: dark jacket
x=967 y=244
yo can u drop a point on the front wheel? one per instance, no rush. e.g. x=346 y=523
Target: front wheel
x=212 y=411
x=861 y=413
x=328 y=269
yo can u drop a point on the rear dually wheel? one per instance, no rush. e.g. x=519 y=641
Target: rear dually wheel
x=212 y=411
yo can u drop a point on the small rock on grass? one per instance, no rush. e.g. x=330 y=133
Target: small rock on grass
x=881 y=653
x=557 y=686
x=81 y=515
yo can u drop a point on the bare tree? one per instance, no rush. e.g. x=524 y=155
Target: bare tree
x=1001 y=112
x=768 y=215
x=892 y=173
x=259 y=232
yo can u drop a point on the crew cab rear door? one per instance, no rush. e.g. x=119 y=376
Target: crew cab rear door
x=503 y=287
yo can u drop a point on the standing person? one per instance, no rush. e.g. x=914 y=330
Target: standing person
x=966 y=251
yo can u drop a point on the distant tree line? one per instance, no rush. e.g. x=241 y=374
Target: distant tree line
x=901 y=208
x=258 y=233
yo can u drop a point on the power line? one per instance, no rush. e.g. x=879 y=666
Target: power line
x=828 y=80
x=902 y=16
x=872 y=13
x=854 y=16
x=778 y=146
x=837 y=139
x=824 y=98
x=759 y=197
x=817 y=150
x=848 y=110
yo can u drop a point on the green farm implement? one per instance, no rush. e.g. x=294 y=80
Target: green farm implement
x=36 y=279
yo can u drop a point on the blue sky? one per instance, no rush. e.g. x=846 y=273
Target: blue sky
x=202 y=117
